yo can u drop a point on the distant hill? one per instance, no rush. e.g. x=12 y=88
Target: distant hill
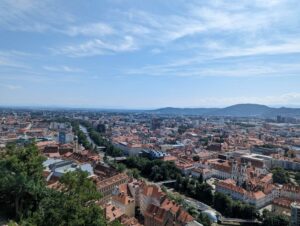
x=183 y=111
x=238 y=110
x=243 y=110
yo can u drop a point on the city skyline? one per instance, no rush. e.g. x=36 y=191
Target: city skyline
x=133 y=55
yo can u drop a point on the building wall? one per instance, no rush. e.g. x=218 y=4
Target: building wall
x=290 y=195
x=258 y=203
x=108 y=189
x=221 y=174
x=145 y=201
x=288 y=165
x=295 y=215
x=135 y=191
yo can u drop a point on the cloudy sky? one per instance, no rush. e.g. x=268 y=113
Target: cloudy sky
x=150 y=53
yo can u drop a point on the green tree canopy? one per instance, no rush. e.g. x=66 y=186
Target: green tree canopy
x=297 y=177
x=73 y=205
x=271 y=219
x=280 y=176
x=21 y=180
x=101 y=128
x=25 y=198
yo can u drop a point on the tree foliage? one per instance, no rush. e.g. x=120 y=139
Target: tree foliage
x=203 y=219
x=155 y=170
x=297 y=177
x=195 y=189
x=271 y=219
x=182 y=129
x=135 y=173
x=74 y=204
x=21 y=180
x=82 y=139
x=99 y=140
x=27 y=199
x=101 y=128
x=280 y=176
x=231 y=208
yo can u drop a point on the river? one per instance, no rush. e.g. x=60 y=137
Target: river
x=84 y=130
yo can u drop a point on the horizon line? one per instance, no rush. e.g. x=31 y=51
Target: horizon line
x=53 y=107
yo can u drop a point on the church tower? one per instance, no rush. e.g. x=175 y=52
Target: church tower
x=234 y=170
x=243 y=174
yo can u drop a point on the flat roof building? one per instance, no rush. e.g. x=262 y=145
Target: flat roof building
x=295 y=214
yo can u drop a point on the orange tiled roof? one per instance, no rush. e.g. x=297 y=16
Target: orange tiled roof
x=170 y=205
x=169 y=158
x=112 y=212
x=283 y=202
x=123 y=198
x=129 y=221
x=231 y=185
x=291 y=188
x=256 y=195
x=153 y=190
x=111 y=180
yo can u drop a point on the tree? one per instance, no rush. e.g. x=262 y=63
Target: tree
x=178 y=184
x=156 y=173
x=191 y=188
x=115 y=223
x=280 y=176
x=270 y=219
x=99 y=140
x=200 y=179
x=203 y=219
x=120 y=167
x=248 y=212
x=135 y=173
x=230 y=208
x=196 y=158
x=177 y=198
x=223 y=204
x=192 y=210
x=101 y=128
x=21 y=180
x=297 y=177
x=182 y=129
x=158 y=169
x=28 y=201
x=74 y=204
x=185 y=183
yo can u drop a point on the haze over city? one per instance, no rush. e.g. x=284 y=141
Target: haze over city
x=149 y=54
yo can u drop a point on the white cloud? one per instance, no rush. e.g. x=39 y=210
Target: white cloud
x=214 y=30
x=32 y=15
x=62 y=68
x=98 y=47
x=13 y=59
x=201 y=19
x=193 y=69
x=93 y=29
x=285 y=47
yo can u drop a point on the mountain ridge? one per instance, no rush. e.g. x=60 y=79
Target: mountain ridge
x=237 y=110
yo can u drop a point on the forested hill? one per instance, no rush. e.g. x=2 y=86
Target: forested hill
x=238 y=110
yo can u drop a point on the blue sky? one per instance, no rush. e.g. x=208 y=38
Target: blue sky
x=148 y=54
